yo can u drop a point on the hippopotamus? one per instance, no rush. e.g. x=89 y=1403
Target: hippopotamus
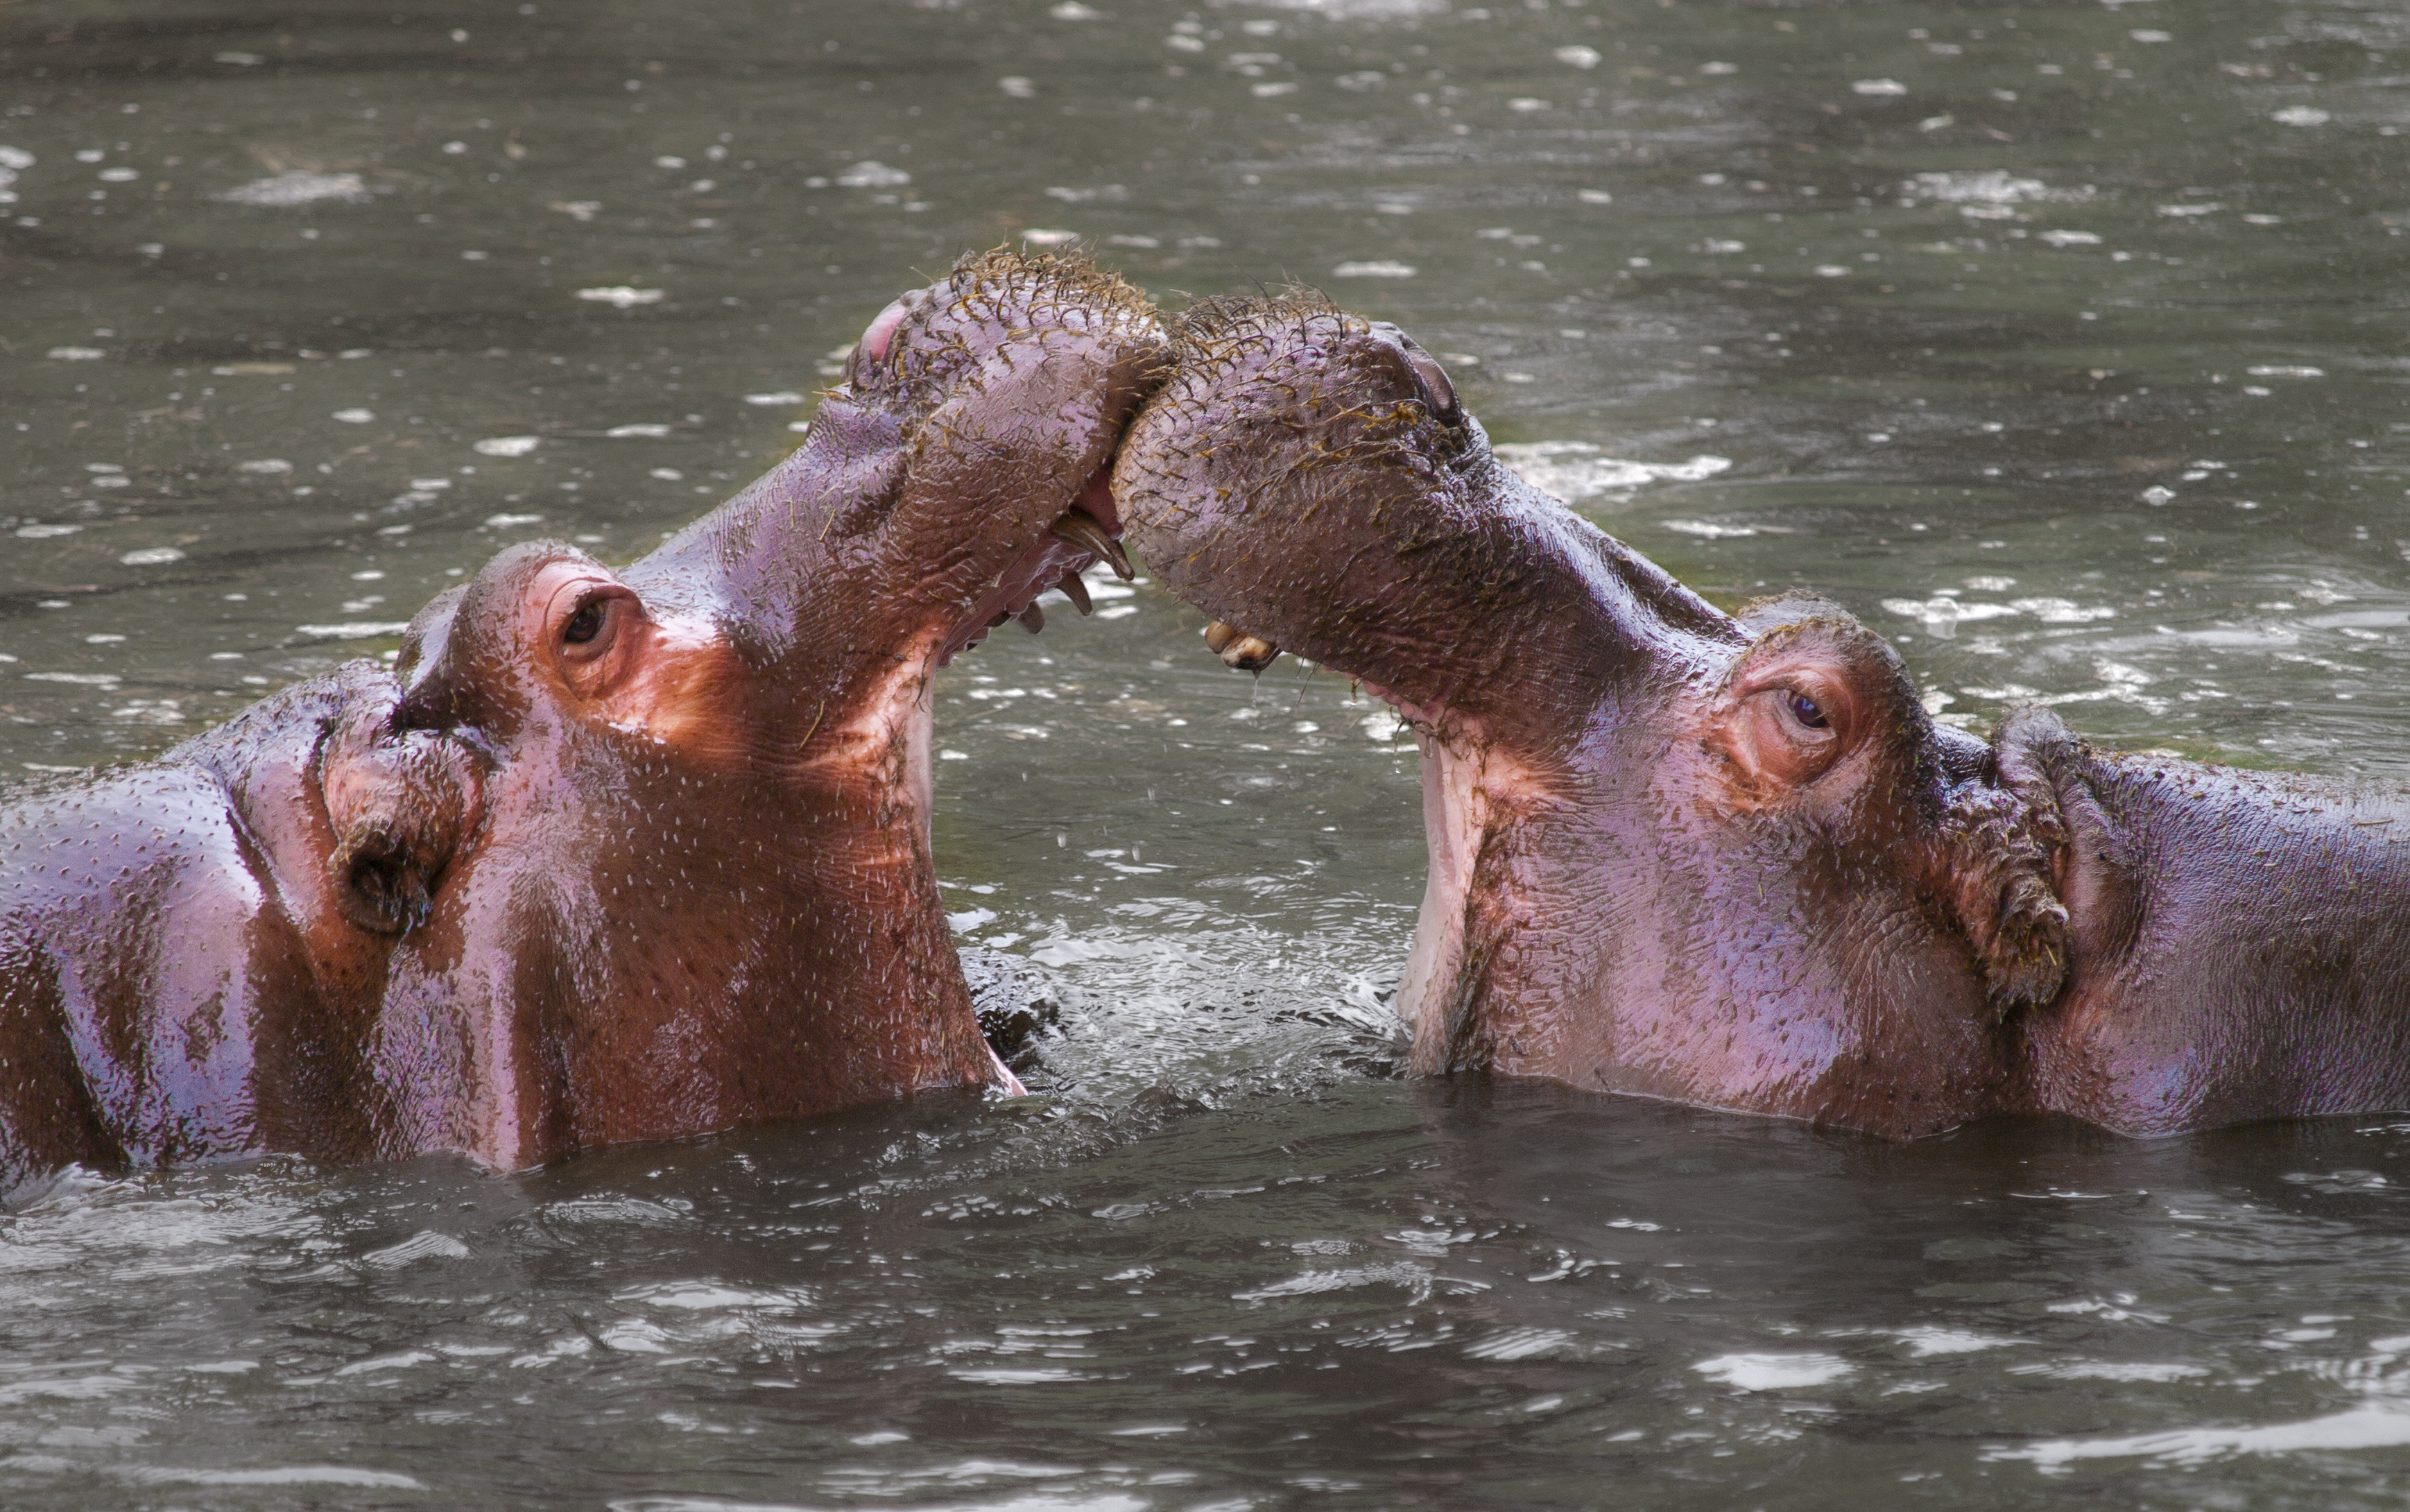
x=605 y=855
x=1729 y=859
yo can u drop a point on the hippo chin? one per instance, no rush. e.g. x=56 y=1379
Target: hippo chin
x=1729 y=860
x=606 y=856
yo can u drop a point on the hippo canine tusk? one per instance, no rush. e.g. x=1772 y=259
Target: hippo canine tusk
x=1080 y=528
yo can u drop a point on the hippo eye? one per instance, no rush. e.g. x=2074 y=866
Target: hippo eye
x=1804 y=709
x=584 y=624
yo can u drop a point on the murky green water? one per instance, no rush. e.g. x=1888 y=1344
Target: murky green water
x=2065 y=342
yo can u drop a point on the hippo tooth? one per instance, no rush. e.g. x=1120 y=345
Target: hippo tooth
x=1250 y=653
x=1080 y=528
x=1077 y=593
x=1219 y=633
x=1033 y=619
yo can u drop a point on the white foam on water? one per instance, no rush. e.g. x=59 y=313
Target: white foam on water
x=1520 y=1343
x=297 y=187
x=1924 y=1342
x=1775 y=1373
x=779 y=397
x=645 y=431
x=506 y=446
x=620 y=296
x=1991 y=186
x=869 y=174
x=151 y=556
x=1379 y=267
x=1579 y=470
x=353 y=629
x=2359 y=1428
x=282 y=1475
x=425 y=1245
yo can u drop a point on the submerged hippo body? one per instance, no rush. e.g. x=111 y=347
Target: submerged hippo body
x=606 y=856
x=1731 y=860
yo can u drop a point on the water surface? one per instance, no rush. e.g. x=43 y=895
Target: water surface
x=2065 y=343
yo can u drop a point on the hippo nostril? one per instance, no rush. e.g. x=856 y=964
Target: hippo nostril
x=880 y=333
x=1437 y=391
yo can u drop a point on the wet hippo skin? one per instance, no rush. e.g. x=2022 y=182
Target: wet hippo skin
x=1731 y=860
x=606 y=855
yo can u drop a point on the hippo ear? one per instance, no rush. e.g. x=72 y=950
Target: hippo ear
x=1994 y=867
x=400 y=804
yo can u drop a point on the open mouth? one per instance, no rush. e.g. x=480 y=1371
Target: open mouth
x=1087 y=533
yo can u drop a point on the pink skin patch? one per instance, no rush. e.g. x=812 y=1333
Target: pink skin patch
x=1040 y=567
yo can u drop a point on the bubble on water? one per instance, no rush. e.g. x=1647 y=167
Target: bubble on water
x=620 y=296
x=239 y=60
x=352 y=630
x=355 y=415
x=78 y=679
x=1577 y=56
x=264 y=467
x=45 y=532
x=74 y=354
x=2286 y=371
x=2071 y=239
x=776 y=398
x=1017 y=87
x=297 y=187
x=102 y=639
x=506 y=446
x=644 y=431
x=1378 y=268
x=576 y=210
x=2301 y=115
x=1878 y=88
x=120 y=175
x=151 y=556
x=504 y=522
x=16 y=159
x=1038 y=237
x=668 y=475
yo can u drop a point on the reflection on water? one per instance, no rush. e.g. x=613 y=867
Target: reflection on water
x=2062 y=342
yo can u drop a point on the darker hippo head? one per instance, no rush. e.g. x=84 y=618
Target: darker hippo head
x=1724 y=859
